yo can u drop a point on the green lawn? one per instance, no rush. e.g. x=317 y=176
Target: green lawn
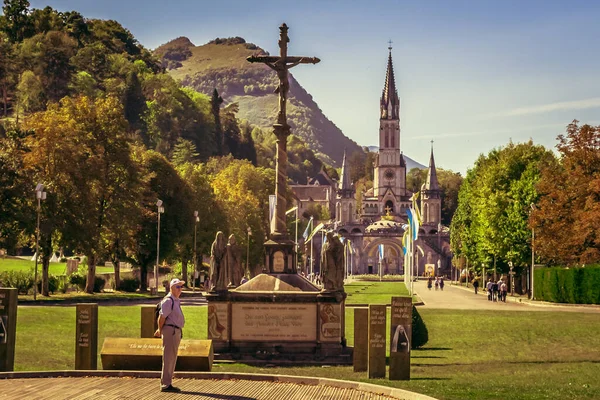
x=373 y=292
x=470 y=354
x=16 y=264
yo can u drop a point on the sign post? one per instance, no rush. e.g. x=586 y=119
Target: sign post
x=400 y=338
x=86 y=339
x=8 y=328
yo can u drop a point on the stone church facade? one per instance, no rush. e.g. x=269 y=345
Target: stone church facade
x=376 y=222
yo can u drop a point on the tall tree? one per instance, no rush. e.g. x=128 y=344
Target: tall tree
x=215 y=103
x=90 y=171
x=17 y=21
x=567 y=218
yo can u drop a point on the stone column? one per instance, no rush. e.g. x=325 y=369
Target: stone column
x=400 y=338
x=148 y=323
x=8 y=328
x=360 y=356
x=377 y=317
x=86 y=337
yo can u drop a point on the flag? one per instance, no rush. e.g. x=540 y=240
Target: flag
x=272 y=200
x=317 y=229
x=414 y=224
x=291 y=210
x=381 y=250
x=307 y=230
x=405 y=241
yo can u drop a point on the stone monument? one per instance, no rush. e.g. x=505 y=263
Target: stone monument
x=279 y=315
x=400 y=338
x=8 y=328
x=86 y=337
x=376 y=367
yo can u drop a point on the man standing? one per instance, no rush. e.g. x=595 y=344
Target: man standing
x=170 y=325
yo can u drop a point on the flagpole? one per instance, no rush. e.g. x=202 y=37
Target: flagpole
x=312 y=223
x=296 y=242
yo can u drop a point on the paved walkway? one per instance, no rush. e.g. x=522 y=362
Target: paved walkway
x=461 y=298
x=145 y=385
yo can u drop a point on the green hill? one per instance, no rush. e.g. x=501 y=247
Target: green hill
x=222 y=64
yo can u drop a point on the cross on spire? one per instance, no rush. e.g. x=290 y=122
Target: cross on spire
x=390 y=44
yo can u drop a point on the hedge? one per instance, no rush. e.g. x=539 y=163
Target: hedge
x=580 y=285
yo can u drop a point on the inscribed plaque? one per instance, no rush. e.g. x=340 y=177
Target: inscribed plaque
x=277 y=322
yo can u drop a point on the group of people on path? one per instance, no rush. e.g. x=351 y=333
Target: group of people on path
x=439 y=282
x=496 y=291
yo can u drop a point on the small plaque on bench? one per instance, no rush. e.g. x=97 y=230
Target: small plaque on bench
x=145 y=354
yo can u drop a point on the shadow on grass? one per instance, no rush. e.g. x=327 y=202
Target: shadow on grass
x=427 y=357
x=429 y=379
x=432 y=348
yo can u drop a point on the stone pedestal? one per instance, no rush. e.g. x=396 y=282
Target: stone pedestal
x=280 y=257
x=279 y=318
x=377 y=317
x=8 y=328
x=149 y=323
x=360 y=358
x=400 y=338
x=86 y=337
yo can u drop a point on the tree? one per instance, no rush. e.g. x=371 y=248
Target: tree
x=30 y=92
x=90 y=171
x=215 y=103
x=566 y=220
x=17 y=22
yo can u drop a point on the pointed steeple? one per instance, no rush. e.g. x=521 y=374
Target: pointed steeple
x=432 y=181
x=345 y=183
x=390 y=103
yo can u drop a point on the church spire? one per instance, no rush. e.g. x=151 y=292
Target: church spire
x=390 y=103
x=432 y=181
x=345 y=186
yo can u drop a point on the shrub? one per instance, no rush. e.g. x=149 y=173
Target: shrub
x=129 y=285
x=99 y=284
x=580 y=285
x=420 y=335
x=20 y=280
x=78 y=280
x=53 y=284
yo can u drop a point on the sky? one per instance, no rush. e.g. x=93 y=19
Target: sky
x=471 y=75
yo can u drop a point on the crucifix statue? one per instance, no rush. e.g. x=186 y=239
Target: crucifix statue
x=281 y=65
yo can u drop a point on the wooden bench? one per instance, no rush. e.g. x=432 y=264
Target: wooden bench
x=145 y=354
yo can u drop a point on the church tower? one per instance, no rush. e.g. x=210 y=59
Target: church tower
x=431 y=199
x=390 y=169
x=345 y=206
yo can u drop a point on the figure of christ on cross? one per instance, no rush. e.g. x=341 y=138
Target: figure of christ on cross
x=281 y=65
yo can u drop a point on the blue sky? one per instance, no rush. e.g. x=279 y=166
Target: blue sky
x=471 y=75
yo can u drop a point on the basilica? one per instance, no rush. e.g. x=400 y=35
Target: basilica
x=373 y=222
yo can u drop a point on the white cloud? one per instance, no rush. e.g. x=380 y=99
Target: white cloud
x=593 y=102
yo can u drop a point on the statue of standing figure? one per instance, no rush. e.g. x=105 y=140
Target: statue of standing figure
x=219 y=278
x=332 y=264
x=234 y=262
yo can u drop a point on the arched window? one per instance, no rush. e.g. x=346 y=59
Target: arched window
x=393 y=140
x=386 y=138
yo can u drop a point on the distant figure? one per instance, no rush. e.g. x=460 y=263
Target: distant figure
x=234 y=263
x=442 y=283
x=332 y=264
x=475 y=284
x=429 y=282
x=489 y=288
x=218 y=272
x=437 y=283
x=503 y=290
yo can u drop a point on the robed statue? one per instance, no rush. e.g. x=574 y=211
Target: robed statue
x=332 y=264
x=234 y=262
x=219 y=278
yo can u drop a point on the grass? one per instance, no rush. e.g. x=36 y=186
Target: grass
x=470 y=354
x=18 y=264
x=362 y=292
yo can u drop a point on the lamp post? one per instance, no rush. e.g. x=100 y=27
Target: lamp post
x=248 y=251
x=39 y=195
x=533 y=208
x=196 y=220
x=512 y=278
x=160 y=210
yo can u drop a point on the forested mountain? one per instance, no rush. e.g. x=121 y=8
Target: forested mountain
x=221 y=64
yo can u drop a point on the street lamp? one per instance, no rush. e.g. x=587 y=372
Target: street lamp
x=39 y=195
x=512 y=279
x=160 y=210
x=533 y=208
x=196 y=220
x=248 y=251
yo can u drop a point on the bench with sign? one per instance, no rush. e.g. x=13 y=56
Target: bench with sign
x=145 y=354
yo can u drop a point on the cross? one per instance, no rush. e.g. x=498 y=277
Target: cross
x=388 y=210
x=390 y=44
x=281 y=65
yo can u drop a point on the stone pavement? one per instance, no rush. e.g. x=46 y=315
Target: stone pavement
x=461 y=298
x=106 y=385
